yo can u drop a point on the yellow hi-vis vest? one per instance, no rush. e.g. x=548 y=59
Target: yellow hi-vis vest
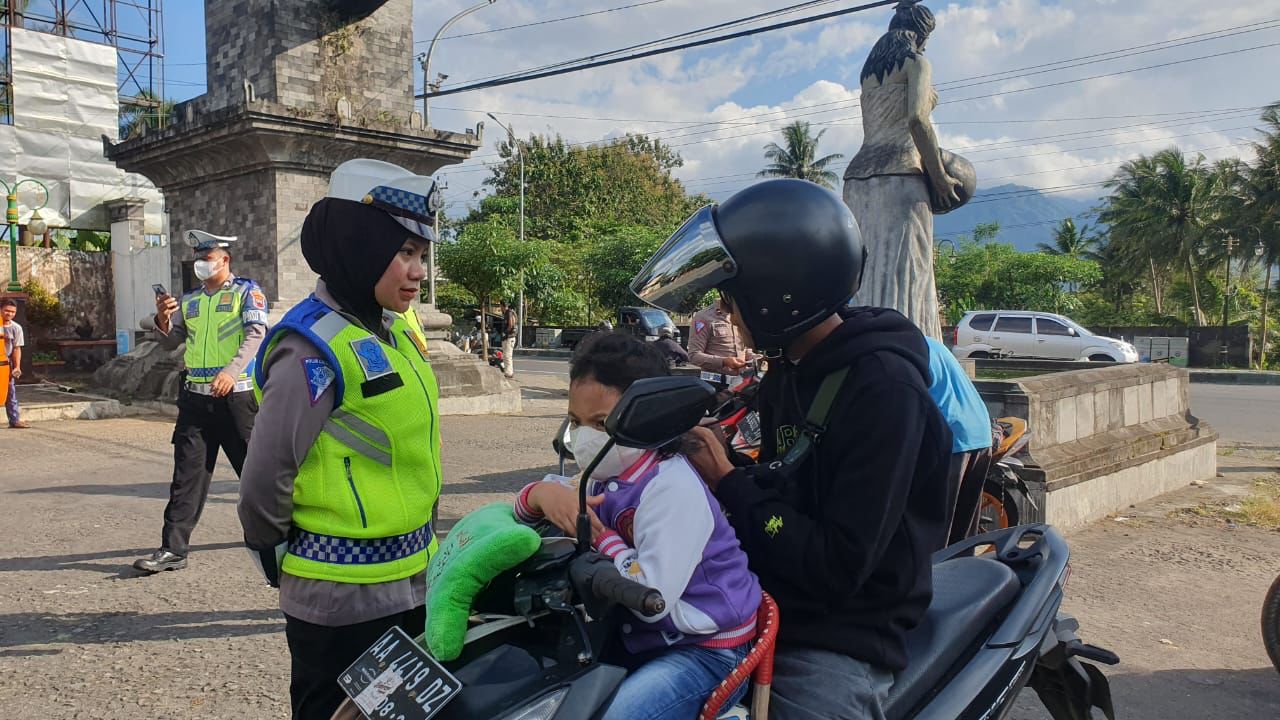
x=215 y=328
x=363 y=496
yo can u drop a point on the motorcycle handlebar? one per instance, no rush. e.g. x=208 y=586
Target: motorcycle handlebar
x=608 y=584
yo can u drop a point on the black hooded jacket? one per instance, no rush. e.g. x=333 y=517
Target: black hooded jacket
x=844 y=545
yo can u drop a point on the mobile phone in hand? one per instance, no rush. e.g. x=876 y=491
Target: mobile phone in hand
x=159 y=290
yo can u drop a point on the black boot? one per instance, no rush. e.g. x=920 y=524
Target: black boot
x=160 y=561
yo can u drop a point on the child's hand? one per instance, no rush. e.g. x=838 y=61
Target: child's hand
x=559 y=505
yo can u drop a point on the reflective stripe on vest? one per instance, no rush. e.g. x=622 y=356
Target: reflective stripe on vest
x=215 y=331
x=363 y=495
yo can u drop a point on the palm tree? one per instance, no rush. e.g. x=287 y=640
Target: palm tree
x=1168 y=202
x=1072 y=242
x=799 y=158
x=143 y=112
x=1128 y=236
x=1262 y=202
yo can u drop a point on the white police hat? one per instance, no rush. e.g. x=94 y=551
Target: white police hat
x=201 y=241
x=413 y=200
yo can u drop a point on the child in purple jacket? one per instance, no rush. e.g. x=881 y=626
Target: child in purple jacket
x=654 y=517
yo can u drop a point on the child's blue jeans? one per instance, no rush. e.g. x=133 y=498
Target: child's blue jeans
x=675 y=683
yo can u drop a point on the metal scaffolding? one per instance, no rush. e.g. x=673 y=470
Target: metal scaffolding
x=135 y=28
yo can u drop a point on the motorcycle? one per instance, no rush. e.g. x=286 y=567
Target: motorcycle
x=540 y=631
x=1271 y=623
x=1004 y=491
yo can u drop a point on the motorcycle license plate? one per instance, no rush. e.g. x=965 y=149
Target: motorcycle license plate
x=396 y=679
x=749 y=428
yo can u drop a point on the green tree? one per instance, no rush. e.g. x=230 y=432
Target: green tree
x=1166 y=202
x=995 y=275
x=798 y=157
x=488 y=260
x=614 y=258
x=1071 y=241
x=1261 y=191
x=569 y=188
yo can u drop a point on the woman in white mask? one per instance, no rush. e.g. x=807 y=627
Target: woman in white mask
x=654 y=517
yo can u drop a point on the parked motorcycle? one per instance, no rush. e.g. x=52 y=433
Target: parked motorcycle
x=1004 y=492
x=994 y=625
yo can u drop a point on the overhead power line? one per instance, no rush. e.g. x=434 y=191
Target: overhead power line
x=543 y=22
x=497 y=82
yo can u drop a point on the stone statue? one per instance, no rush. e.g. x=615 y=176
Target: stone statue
x=900 y=177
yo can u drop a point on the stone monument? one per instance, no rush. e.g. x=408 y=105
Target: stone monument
x=295 y=88
x=900 y=178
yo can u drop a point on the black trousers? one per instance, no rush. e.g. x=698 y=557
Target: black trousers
x=204 y=425
x=319 y=654
x=968 y=494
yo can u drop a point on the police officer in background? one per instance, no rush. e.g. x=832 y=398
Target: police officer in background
x=222 y=323
x=715 y=345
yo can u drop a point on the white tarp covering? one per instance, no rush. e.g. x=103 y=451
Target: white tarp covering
x=64 y=101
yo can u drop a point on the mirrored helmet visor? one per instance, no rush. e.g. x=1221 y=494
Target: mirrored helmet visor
x=691 y=263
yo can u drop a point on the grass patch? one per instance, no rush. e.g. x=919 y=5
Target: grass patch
x=1260 y=509
x=1226 y=451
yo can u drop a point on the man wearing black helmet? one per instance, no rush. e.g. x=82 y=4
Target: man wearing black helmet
x=850 y=497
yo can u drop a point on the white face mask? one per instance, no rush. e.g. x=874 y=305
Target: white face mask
x=205 y=269
x=586 y=442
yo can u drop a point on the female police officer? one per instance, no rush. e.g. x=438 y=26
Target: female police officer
x=344 y=468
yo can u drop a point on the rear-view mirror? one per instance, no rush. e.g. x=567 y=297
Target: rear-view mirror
x=655 y=411
x=561 y=442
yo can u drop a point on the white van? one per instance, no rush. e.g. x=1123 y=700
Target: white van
x=1026 y=334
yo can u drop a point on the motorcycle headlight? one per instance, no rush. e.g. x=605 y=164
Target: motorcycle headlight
x=544 y=708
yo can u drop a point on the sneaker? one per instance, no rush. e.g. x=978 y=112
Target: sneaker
x=159 y=561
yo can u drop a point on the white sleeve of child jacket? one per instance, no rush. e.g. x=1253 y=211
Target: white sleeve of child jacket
x=672 y=526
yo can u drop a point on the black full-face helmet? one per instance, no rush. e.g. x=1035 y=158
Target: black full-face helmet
x=787 y=252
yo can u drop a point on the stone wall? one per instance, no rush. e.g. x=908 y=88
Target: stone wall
x=81 y=280
x=1105 y=438
x=301 y=54
x=228 y=206
x=297 y=191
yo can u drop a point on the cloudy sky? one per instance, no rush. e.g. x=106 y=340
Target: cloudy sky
x=1049 y=95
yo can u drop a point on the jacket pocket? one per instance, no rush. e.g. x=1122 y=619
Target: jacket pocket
x=351 y=482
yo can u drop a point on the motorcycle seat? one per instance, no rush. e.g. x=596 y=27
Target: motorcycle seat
x=968 y=594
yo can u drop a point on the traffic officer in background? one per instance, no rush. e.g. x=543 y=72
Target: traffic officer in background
x=716 y=347
x=344 y=471
x=222 y=323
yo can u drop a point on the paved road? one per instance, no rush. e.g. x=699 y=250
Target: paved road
x=1240 y=414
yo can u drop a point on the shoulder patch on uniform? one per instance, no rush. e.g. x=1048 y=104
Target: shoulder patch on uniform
x=372 y=359
x=258 y=299
x=699 y=326
x=319 y=377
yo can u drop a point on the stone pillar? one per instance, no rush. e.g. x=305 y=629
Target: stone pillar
x=134 y=269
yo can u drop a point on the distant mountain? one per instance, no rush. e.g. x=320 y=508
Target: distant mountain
x=1026 y=216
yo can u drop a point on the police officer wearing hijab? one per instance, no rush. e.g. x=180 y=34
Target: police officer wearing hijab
x=340 y=482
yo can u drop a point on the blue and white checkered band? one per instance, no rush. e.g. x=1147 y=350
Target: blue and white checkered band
x=404 y=203
x=353 y=551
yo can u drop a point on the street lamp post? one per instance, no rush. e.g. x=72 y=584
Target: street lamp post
x=511 y=136
x=36 y=225
x=425 y=58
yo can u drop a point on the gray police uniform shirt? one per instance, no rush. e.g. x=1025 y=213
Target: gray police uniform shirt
x=712 y=338
x=255 y=331
x=287 y=425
